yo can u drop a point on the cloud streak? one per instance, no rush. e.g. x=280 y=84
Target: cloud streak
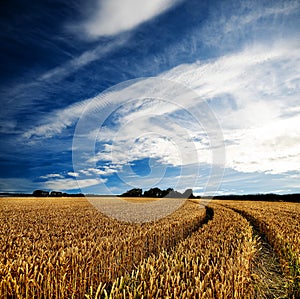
x=114 y=16
x=71 y=184
x=87 y=57
x=223 y=29
x=246 y=90
x=249 y=77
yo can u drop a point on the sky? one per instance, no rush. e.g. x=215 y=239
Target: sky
x=102 y=96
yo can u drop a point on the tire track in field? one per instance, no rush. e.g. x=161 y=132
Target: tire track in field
x=268 y=277
x=209 y=214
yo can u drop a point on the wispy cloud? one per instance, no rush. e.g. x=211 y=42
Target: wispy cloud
x=71 y=184
x=57 y=121
x=255 y=13
x=104 y=171
x=53 y=182
x=82 y=60
x=253 y=93
x=113 y=16
x=73 y=174
x=52 y=175
x=224 y=29
x=168 y=140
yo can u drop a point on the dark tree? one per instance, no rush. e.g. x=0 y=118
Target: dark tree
x=153 y=192
x=136 y=192
x=56 y=194
x=158 y=193
x=40 y=193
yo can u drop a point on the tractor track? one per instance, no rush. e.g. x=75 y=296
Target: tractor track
x=268 y=278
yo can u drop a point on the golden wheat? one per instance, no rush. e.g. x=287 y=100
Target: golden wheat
x=214 y=262
x=59 y=248
x=65 y=248
x=280 y=222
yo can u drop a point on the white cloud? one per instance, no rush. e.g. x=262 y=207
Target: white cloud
x=255 y=96
x=130 y=149
x=70 y=184
x=114 y=16
x=99 y=52
x=52 y=175
x=259 y=72
x=272 y=148
x=57 y=121
x=104 y=171
x=166 y=140
x=221 y=30
x=256 y=13
x=73 y=174
x=58 y=182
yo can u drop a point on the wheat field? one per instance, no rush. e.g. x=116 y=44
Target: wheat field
x=66 y=248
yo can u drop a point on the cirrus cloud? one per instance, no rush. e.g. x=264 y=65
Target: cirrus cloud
x=254 y=93
x=71 y=184
x=115 y=16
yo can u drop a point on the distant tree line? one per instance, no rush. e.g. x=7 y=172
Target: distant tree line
x=42 y=193
x=158 y=193
x=262 y=197
x=171 y=193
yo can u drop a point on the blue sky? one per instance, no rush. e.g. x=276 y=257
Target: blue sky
x=101 y=96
